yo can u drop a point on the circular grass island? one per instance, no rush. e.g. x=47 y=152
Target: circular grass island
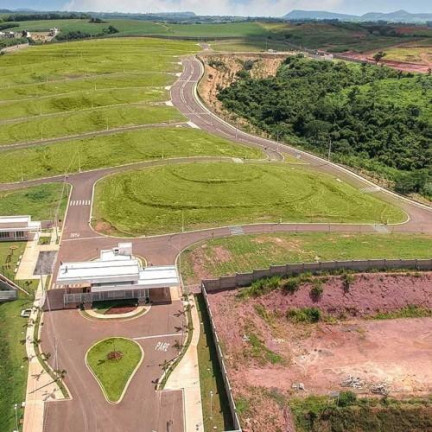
x=201 y=195
x=113 y=362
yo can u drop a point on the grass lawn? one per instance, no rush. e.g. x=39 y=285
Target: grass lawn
x=162 y=199
x=224 y=256
x=85 y=59
x=13 y=367
x=67 y=90
x=56 y=90
x=86 y=121
x=40 y=202
x=113 y=374
x=80 y=101
x=218 y=418
x=114 y=150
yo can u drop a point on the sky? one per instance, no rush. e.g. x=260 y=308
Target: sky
x=223 y=7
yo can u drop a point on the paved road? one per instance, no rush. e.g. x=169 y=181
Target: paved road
x=88 y=411
x=143 y=409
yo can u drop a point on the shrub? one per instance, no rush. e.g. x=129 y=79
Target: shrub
x=305 y=315
x=291 y=285
x=347 y=280
x=316 y=290
x=347 y=398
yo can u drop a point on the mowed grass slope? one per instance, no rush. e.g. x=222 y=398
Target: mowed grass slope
x=113 y=150
x=41 y=202
x=163 y=199
x=95 y=120
x=224 y=256
x=73 y=88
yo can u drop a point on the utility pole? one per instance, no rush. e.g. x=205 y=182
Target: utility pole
x=330 y=148
x=211 y=404
x=182 y=220
x=16 y=417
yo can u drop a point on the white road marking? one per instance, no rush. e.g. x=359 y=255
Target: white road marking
x=193 y=125
x=162 y=346
x=236 y=230
x=75 y=203
x=75 y=235
x=156 y=336
x=381 y=229
x=371 y=189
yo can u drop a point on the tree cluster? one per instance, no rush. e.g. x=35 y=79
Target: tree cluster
x=337 y=105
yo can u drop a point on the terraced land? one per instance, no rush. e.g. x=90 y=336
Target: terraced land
x=194 y=196
x=92 y=104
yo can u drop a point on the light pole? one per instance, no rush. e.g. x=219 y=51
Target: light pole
x=211 y=404
x=16 y=417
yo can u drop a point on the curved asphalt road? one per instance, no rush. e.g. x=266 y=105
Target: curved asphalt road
x=88 y=411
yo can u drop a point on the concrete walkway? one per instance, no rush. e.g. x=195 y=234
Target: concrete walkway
x=30 y=257
x=186 y=377
x=40 y=386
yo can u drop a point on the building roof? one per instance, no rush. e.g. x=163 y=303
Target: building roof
x=117 y=270
x=18 y=223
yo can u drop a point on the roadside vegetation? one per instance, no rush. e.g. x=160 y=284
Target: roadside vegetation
x=114 y=361
x=114 y=150
x=216 y=411
x=41 y=202
x=315 y=413
x=224 y=256
x=372 y=118
x=13 y=363
x=192 y=196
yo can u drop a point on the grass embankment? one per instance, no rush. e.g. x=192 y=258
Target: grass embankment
x=162 y=199
x=114 y=150
x=95 y=120
x=59 y=90
x=216 y=410
x=13 y=367
x=315 y=414
x=219 y=257
x=114 y=373
x=40 y=202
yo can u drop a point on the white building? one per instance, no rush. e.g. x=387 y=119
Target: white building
x=54 y=31
x=18 y=228
x=116 y=274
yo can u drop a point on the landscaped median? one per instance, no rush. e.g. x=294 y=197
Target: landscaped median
x=113 y=362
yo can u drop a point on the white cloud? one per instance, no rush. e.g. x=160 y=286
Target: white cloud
x=203 y=7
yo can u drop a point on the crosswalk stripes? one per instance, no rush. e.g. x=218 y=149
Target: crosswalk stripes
x=75 y=203
x=236 y=230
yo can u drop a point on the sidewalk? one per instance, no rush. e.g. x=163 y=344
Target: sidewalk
x=40 y=386
x=186 y=376
x=30 y=257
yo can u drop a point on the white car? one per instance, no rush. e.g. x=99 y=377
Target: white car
x=25 y=313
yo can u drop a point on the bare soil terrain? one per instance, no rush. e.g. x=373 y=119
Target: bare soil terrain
x=267 y=354
x=422 y=67
x=221 y=69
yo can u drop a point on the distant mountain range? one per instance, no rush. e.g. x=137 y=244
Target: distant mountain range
x=400 y=16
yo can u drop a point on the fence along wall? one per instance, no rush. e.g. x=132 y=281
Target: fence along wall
x=236 y=421
x=245 y=279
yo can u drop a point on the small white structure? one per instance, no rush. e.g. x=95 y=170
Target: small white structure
x=18 y=228
x=116 y=272
x=2 y=35
x=54 y=31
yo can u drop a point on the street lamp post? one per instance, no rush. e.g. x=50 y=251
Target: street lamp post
x=211 y=404
x=16 y=416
